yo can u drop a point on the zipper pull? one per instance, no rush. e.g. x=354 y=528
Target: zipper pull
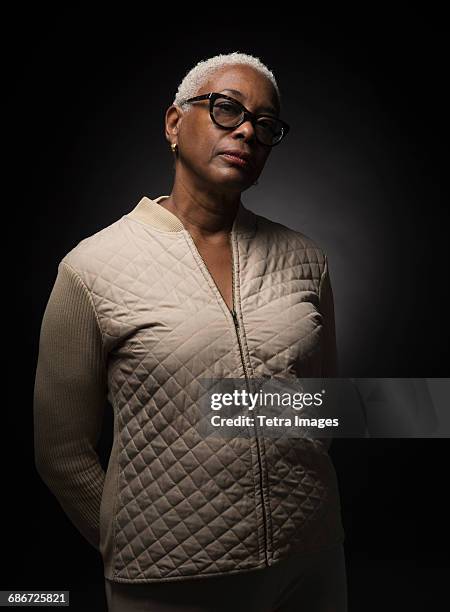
x=236 y=322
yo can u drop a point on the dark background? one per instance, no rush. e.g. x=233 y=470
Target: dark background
x=360 y=172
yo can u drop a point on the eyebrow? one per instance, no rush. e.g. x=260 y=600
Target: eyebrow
x=264 y=109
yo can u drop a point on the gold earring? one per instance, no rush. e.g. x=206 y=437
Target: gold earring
x=174 y=147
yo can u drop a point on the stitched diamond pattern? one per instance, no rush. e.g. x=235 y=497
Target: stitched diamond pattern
x=189 y=505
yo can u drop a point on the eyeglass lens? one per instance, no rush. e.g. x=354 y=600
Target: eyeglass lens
x=228 y=114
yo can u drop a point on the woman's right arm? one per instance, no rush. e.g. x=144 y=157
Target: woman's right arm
x=70 y=395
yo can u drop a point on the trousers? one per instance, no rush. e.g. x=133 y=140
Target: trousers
x=315 y=582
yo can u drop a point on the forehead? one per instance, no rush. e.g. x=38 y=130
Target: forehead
x=245 y=84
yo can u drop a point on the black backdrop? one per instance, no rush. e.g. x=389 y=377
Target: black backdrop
x=360 y=172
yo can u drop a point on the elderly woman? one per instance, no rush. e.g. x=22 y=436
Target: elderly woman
x=186 y=286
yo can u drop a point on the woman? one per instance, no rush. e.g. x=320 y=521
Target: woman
x=186 y=286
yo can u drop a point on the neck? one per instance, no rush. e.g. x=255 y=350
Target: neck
x=202 y=213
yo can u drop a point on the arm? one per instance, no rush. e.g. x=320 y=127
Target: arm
x=69 y=399
x=330 y=364
x=329 y=345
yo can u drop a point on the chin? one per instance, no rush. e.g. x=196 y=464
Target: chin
x=233 y=179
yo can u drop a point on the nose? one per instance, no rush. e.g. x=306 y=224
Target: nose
x=247 y=130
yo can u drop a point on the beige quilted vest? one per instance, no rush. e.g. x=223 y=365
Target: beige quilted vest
x=176 y=504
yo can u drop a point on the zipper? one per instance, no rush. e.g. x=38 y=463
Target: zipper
x=258 y=449
x=241 y=351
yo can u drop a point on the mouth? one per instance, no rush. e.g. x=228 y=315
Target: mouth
x=236 y=160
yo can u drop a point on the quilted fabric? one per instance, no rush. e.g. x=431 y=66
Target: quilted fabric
x=186 y=505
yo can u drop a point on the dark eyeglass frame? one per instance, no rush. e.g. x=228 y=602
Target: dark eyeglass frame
x=248 y=116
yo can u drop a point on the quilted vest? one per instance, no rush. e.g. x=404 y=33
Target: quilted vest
x=175 y=504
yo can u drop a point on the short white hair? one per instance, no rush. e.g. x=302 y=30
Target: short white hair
x=203 y=70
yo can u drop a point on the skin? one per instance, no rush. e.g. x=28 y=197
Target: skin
x=207 y=188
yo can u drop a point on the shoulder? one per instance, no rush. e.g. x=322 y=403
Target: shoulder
x=91 y=255
x=287 y=239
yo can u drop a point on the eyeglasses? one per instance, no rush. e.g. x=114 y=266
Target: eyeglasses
x=228 y=113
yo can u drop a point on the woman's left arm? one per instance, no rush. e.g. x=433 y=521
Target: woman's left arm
x=328 y=345
x=330 y=363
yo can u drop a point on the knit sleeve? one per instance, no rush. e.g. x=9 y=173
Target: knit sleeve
x=70 y=394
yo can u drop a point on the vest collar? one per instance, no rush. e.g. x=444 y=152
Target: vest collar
x=150 y=212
